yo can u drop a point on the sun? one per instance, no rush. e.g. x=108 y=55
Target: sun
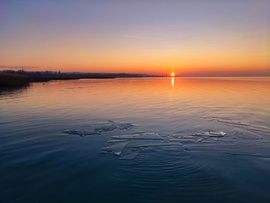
x=172 y=74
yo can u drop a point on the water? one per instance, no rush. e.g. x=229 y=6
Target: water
x=136 y=140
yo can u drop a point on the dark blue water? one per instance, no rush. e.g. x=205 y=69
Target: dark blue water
x=136 y=140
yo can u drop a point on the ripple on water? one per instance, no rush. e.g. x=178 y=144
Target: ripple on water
x=171 y=176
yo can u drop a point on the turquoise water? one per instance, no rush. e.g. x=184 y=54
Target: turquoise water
x=136 y=140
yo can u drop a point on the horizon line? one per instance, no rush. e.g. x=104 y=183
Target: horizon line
x=147 y=74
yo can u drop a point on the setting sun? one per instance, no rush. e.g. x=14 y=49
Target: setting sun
x=172 y=74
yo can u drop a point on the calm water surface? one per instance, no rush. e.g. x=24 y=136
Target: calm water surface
x=134 y=140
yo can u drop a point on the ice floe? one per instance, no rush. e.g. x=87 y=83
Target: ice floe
x=124 y=126
x=101 y=129
x=249 y=126
x=129 y=146
x=197 y=136
x=107 y=128
x=124 y=143
x=140 y=136
x=116 y=148
x=81 y=133
x=211 y=134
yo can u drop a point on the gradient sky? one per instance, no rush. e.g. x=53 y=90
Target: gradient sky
x=195 y=37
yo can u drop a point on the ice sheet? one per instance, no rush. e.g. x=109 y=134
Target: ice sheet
x=124 y=126
x=141 y=136
x=81 y=133
x=107 y=128
x=129 y=146
x=99 y=129
x=243 y=124
x=210 y=134
x=116 y=148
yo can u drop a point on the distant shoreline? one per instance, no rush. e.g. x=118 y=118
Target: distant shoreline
x=10 y=78
x=20 y=78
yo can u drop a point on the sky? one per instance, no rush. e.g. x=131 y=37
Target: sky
x=191 y=37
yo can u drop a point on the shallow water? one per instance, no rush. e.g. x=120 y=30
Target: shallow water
x=136 y=140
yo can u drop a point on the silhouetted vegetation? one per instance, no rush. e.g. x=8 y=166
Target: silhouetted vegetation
x=9 y=78
x=22 y=78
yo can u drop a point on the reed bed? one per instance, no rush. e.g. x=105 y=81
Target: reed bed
x=9 y=80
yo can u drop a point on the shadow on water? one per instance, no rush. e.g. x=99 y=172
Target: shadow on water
x=11 y=91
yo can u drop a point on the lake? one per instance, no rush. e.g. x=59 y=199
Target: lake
x=136 y=140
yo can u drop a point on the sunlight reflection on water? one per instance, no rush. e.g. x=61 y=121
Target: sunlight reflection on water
x=172 y=81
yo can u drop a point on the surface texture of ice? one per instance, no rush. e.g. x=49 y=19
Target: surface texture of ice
x=124 y=126
x=116 y=148
x=249 y=126
x=211 y=134
x=81 y=133
x=107 y=128
x=129 y=146
x=141 y=136
x=101 y=129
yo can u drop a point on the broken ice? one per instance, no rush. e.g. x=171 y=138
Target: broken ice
x=142 y=136
x=116 y=148
x=130 y=145
x=211 y=134
x=80 y=133
x=249 y=126
x=101 y=129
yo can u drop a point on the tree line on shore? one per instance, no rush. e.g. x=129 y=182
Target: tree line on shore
x=23 y=78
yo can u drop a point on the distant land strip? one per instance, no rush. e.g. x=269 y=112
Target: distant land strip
x=9 y=78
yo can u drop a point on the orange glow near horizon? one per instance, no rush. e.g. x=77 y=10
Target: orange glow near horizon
x=191 y=62
x=85 y=37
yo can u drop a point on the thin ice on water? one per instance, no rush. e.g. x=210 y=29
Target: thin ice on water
x=129 y=146
x=231 y=122
x=116 y=148
x=140 y=136
x=101 y=129
x=132 y=144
